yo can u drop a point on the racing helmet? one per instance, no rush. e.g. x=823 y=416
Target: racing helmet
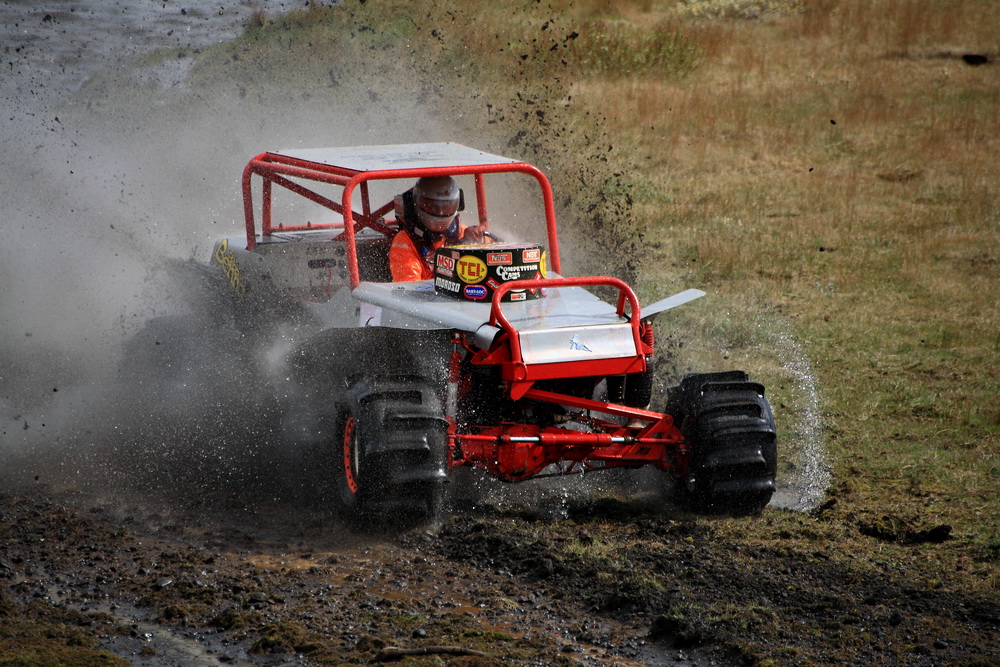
x=436 y=199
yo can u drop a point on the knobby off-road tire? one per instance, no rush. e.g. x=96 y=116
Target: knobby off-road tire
x=390 y=453
x=730 y=427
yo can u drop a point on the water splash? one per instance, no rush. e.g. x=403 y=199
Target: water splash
x=804 y=473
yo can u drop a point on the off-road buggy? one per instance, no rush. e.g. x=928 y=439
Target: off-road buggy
x=499 y=363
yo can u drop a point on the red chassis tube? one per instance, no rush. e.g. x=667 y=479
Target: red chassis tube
x=514 y=452
x=521 y=375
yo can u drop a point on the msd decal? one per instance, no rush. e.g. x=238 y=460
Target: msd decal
x=499 y=258
x=445 y=262
x=476 y=292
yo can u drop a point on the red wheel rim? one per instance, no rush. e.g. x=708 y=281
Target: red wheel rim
x=352 y=484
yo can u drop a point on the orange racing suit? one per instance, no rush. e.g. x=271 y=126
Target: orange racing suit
x=410 y=260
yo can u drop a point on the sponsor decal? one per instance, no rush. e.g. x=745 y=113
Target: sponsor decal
x=541 y=266
x=448 y=285
x=492 y=283
x=471 y=269
x=445 y=262
x=575 y=344
x=518 y=296
x=445 y=272
x=499 y=258
x=227 y=259
x=508 y=273
x=531 y=255
x=474 y=292
x=369 y=315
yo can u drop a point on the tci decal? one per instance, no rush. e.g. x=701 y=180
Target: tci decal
x=532 y=255
x=474 y=292
x=471 y=269
x=499 y=258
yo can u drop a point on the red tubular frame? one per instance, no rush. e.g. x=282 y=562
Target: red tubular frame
x=514 y=452
x=274 y=168
x=522 y=375
x=522 y=371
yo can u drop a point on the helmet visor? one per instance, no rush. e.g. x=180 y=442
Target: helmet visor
x=439 y=208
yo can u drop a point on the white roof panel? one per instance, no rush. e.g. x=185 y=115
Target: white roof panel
x=398 y=156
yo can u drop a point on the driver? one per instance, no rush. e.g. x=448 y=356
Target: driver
x=429 y=221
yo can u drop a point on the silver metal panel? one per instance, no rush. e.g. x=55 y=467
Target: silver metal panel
x=546 y=346
x=671 y=302
x=397 y=156
x=565 y=307
x=308 y=270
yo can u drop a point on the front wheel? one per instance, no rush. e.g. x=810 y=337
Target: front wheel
x=390 y=453
x=730 y=426
x=347 y=465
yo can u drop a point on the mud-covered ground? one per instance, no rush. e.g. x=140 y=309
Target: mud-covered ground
x=187 y=551
x=591 y=580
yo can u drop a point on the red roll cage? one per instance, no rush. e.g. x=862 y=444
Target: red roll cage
x=358 y=172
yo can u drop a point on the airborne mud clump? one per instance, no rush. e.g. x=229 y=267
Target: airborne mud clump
x=146 y=514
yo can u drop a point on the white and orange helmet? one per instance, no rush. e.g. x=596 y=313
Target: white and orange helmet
x=436 y=199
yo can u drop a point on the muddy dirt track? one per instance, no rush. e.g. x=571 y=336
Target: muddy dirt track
x=589 y=581
x=174 y=554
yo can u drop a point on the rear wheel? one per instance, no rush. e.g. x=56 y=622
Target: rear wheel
x=390 y=453
x=730 y=427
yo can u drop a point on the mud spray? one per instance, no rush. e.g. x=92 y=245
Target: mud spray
x=109 y=191
x=112 y=189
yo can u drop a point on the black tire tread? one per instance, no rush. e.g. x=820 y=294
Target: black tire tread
x=729 y=423
x=404 y=448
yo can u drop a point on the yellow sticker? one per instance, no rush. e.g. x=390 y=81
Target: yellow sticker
x=227 y=258
x=471 y=269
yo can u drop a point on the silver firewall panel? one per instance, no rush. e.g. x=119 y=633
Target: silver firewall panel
x=586 y=343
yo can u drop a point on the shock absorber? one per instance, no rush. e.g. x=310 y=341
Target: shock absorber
x=454 y=375
x=639 y=386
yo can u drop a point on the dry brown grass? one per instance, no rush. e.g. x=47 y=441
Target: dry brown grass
x=840 y=165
